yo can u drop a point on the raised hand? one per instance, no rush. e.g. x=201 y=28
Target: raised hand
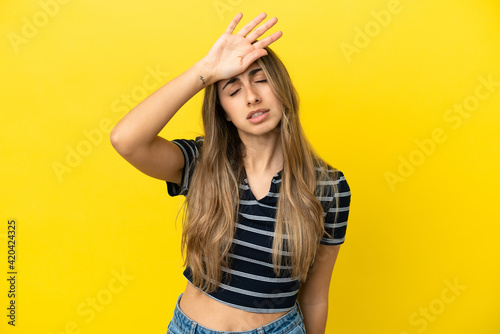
x=233 y=53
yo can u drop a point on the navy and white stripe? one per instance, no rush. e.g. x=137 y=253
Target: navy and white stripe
x=253 y=285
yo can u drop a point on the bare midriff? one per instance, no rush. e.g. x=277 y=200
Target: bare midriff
x=217 y=316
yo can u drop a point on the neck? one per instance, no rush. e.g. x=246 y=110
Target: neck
x=263 y=154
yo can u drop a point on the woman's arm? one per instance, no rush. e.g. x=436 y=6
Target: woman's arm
x=135 y=136
x=313 y=294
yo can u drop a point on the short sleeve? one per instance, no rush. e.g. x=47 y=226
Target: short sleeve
x=191 y=150
x=337 y=229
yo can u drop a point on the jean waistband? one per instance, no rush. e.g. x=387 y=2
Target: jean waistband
x=278 y=326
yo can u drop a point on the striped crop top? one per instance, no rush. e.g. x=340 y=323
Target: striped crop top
x=254 y=286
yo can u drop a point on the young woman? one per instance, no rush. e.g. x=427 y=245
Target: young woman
x=265 y=215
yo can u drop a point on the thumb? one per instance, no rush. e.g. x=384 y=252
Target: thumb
x=253 y=56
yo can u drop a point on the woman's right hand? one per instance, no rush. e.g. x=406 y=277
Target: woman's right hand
x=232 y=53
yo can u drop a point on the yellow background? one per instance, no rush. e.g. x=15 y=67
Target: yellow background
x=364 y=111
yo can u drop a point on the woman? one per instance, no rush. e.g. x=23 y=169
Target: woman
x=265 y=216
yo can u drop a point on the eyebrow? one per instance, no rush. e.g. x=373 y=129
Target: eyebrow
x=252 y=72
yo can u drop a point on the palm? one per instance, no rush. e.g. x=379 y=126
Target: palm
x=233 y=53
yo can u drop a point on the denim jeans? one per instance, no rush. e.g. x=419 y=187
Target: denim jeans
x=290 y=323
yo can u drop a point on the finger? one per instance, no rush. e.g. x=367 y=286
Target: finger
x=234 y=23
x=252 y=24
x=262 y=29
x=253 y=56
x=268 y=40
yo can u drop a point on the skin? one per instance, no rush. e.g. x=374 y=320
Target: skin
x=313 y=294
x=263 y=160
x=263 y=151
x=249 y=93
x=136 y=138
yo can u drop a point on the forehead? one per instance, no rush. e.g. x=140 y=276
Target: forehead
x=254 y=65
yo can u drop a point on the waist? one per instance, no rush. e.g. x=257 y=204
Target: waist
x=210 y=313
x=254 y=292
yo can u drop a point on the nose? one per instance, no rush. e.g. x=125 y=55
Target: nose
x=252 y=96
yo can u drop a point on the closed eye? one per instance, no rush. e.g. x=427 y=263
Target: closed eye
x=236 y=91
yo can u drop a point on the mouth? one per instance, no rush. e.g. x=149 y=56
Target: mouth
x=257 y=113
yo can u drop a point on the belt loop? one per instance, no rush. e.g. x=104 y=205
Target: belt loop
x=193 y=327
x=300 y=311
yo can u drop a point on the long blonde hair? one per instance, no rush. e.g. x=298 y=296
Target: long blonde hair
x=211 y=206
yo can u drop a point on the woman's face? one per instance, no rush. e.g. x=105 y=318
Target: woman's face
x=249 y=102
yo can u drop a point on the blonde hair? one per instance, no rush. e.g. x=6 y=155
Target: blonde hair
x=211 y=206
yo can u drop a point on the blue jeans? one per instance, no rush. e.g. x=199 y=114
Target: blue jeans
x=290 y=323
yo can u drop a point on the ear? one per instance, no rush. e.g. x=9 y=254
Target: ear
x=226 y=115
x=217 y=103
